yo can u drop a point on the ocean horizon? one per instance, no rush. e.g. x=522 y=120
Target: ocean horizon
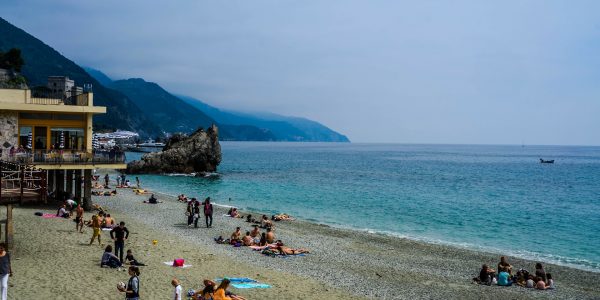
x=493 y=198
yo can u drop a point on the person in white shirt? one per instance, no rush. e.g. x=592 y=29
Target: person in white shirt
x=177 y=291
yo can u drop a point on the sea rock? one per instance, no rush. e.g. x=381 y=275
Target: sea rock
x=197 y=153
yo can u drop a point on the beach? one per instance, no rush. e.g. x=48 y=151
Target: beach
x=51 y=260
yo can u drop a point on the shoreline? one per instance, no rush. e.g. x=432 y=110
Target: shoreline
x=393 y=266
x=470 y=247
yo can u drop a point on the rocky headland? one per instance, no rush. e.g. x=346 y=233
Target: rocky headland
x=198 y=153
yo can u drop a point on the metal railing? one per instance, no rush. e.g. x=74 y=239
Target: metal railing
x=68 y=157
x=51 y=98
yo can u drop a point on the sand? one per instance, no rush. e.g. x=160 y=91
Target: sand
x=52 y=261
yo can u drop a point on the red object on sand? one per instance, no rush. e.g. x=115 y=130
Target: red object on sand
x=178 y=262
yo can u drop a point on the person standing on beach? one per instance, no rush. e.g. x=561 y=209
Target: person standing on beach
x=196 y=213
x=79 y=218
x=106 y=180
x=119 y=234
x=5 y=271
x=137 y=181
x=208 y=212
x=189 y=212
x=178 y=290
x=132 y=291
x=96 y=229
x=118 y=180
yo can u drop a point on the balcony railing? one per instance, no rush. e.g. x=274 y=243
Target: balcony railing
x=68 y=157
x=50 y=98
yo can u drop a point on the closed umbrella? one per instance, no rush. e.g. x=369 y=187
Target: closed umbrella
x=29 y=140
x=62 y=140
x=95 y=143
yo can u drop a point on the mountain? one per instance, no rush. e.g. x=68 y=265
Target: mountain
x=99 y=75
x=42 y=61
x=284 y=128
x=168 y=112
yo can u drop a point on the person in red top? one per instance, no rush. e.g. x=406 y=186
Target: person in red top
x=208 y=212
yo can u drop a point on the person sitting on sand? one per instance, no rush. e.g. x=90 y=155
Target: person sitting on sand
x=540 y=272
x=530 y=283
x=550 y=285
x=221 y=292
x=62 y=212
x=108 y=222
x=522 y=276
x=234 y=213
x=504 y=265
x=255 y=232
x=152 y=200
x=263 y=239
x=283 y=250
x=129 y=259
x=207 y=292
x=249 y=218
x=236 y=236
x=248 y=240
x=109 y=259
x=504 y=278
x=540 y=283
x=270 y=236
x=265 y=222
x=127 y=183
x=486 y=274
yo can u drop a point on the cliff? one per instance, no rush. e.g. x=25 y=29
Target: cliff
x=199 y=152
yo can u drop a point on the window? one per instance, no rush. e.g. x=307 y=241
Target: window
x=72 y=138
x=39 y=138
x=24 y=135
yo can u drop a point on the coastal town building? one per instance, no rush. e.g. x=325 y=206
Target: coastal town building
x=46 y=145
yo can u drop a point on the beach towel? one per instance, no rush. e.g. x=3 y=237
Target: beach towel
x=237 y=279
x=170 y=263
x=50 y=216
x=251 y=285
x=106 y=229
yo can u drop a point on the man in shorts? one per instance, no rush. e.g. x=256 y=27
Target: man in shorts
x=79 y=218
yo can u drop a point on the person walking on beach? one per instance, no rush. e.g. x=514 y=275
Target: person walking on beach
x=118 y=180
x=5 y=271
x=119 y=234
x=106 y=180
x=96 y=229
x=189 y=212
x=137 y=181
x=79 y=218
x=132 y=291
x=196 y=213
x=208 y=212
x=178 y=290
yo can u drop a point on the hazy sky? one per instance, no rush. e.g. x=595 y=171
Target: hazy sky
x=507 y=72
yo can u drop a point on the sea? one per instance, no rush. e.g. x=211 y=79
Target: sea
x=498 y=199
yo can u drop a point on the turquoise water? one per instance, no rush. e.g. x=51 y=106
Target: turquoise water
x=494 y=198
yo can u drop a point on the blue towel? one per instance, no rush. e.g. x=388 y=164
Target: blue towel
x=237 y=279
x=250 y=285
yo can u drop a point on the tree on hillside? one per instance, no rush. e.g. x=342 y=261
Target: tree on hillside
x=12 y=60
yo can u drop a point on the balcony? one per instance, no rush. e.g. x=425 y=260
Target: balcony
x=49 y=98
x=46 y=101
x=75 y=158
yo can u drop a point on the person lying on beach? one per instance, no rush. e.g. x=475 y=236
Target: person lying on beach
x=504 y=265
x=109 y=259
x=62 y=212
x=248 y=240
x=220 y=240
x=97 y=185
x=141 y=192
x=152 y=200
x=98 y=208
x=250 y=219
x=129 y=259
x=182 y=198
x=282 y=217
x=270 y=236
x=283 y=250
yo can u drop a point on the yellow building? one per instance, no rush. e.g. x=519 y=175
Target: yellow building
x=46 y=146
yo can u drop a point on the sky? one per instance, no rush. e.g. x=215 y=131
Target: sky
x=451 y=72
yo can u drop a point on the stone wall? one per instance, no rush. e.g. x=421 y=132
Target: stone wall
x=9 y=131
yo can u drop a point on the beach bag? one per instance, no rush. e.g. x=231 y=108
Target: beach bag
x=178 y=262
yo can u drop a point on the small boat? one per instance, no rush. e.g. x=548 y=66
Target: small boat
x=546 y=161
x=151 y=143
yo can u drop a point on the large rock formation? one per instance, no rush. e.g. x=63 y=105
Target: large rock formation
x=198 y=153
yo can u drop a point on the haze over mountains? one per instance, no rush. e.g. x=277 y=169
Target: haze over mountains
x=145 y=107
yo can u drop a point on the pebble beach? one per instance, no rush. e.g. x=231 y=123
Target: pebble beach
x=343 y=264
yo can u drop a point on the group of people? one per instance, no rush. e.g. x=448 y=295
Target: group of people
x=193 y=211
x=505 y=277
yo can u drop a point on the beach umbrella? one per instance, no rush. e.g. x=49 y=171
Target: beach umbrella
x=29 y=140
x=62 y=140
x=95 y=143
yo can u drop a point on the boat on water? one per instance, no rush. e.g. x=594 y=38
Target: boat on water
x=151 y=143
x=542 y=161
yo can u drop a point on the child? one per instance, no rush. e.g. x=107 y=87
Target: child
x=550 y=281
x=131 y=260
x=530 y=283
x=540 y=285
x=177 y=291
